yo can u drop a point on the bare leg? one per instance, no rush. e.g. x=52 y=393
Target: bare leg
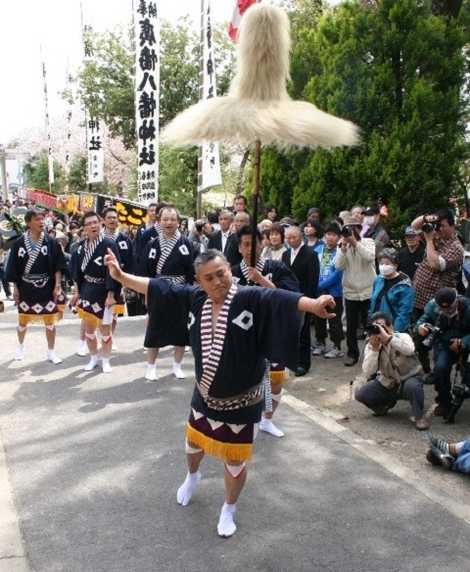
x=92 y=342
x=177 y=359
x=152 y=354
x=50 y=336
x=179 y=354
x=234 y=485
x=21 y=333
x=106 y=341
x=194 y=456
x=235 y=477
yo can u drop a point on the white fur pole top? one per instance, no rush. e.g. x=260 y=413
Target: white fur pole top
x=258 y=106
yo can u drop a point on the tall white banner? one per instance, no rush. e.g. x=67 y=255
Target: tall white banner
x=94 y=127
x=147 y=97
x=68 y=90
x=209 y=156
x=50 y=158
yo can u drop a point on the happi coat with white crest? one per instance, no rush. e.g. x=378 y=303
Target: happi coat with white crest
x=127 y=260
x=230 y=358
x=170 y=258
x=282 y=277
x=32 y=267
x=92 y=277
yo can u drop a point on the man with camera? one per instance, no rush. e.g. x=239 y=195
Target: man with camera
x=445 y=327
x=443 y=258
x=393 y=371
x=356 y=258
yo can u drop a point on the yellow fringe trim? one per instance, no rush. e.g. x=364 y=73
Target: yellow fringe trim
x=119 y=309
x=46 y=319
x=278 y=377
x=88 y=318
x=225 y=451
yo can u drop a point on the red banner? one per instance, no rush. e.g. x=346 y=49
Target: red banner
x=41 y=197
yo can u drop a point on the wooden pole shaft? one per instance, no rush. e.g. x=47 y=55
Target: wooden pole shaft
x=256 y=196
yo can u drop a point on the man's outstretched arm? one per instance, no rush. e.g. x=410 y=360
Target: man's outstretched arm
x=320 y=306
x=137 y=283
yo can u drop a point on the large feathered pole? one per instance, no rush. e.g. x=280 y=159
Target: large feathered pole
x=258 y=109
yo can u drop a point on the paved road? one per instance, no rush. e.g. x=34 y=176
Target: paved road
x=94 y=462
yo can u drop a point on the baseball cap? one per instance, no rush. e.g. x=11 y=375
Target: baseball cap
x=371 y=211
x=445 y=297
x=410 y=231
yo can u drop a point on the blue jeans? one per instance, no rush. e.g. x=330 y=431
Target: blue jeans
x=462 y=463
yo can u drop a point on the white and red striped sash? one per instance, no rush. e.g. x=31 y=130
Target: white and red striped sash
x=33 y=249
x=166 y=248
x=259 y=266
x=212 y=340
x=89 y=249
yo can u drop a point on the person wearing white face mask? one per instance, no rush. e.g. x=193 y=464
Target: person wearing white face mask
x=393 y=292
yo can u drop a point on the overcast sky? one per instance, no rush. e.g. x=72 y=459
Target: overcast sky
x=25 y=25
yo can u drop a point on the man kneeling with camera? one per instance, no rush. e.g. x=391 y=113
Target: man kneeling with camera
x=445 y=327
x=393 y=370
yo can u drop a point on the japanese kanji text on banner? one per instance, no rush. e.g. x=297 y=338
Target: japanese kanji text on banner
x=209 y=171
x=147 y=95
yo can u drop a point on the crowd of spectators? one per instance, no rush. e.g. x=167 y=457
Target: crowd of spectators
x=405 y=298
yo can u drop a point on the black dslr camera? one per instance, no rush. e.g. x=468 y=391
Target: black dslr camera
x=430 y=225
x=372 y=330
x=429 y=340
x=346 y=232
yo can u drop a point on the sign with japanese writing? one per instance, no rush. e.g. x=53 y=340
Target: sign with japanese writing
x=147 y=96
x=50 y=158
x=95 y=151
x=94 y=126
x=209 y=174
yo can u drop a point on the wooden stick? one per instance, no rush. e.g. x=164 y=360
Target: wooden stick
x=256 y=195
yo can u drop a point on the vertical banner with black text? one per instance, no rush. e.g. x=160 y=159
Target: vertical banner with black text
x=209 y=174
x=50 y=158
x=147 y=97
x=94 y=126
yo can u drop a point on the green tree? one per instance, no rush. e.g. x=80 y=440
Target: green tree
x=77 y=179
x=397 y=69
x=37 y=173
x=106 y=82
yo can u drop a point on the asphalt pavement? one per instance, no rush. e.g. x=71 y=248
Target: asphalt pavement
x=94 y=462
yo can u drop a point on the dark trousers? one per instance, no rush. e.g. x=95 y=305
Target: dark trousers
x=444 y=360
x=423 y=353
x=335 y=324
x=5 y=283
x=356 y=313
x=375 y=396
x=304 y=359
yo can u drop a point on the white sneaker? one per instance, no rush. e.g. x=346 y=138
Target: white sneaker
x=151 y=372
x=268 y=426
x=19 y=354
x=318 y=350
x=53 y=357
x=333 y=354
x=90 y=366
x=106 y=366
x=177 y=371
x=82 y=349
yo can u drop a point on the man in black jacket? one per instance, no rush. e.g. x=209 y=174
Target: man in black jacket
x=304 y=263
x=225 y=240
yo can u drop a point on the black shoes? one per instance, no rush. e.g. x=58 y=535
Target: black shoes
x=351 y=362
x=300 y=371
